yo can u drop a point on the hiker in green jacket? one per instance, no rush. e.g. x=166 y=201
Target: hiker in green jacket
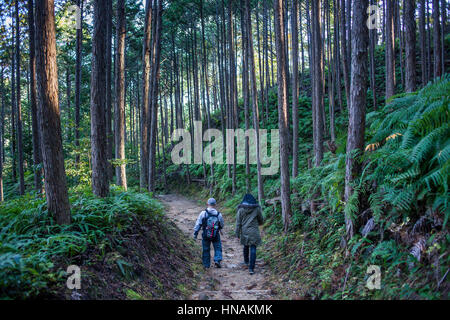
x=248 y=219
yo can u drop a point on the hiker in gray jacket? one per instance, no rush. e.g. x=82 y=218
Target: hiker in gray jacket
x=248 y=219
x=211 y=222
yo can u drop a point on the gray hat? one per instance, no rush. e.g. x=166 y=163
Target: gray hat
x=212 y=201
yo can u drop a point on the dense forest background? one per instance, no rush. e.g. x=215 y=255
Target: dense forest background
x=91 y=92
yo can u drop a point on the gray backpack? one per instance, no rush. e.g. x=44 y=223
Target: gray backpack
x=211 y=225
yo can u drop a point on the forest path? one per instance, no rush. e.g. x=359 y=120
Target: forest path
x=232 y=281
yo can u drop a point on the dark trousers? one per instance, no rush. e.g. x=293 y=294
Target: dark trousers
x=206 y=257
x=250 y=250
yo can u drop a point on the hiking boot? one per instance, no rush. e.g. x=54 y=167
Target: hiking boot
x=218 y=265
x=251 y=271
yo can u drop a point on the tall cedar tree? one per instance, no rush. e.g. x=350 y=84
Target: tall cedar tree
x=48 y=112
x=145 y=94
x=317 y=93
x=283 y=121
x=390 y=53
x=254 y=98
x=79 y=43
x=294 y=52
x=100 y=181
x=358 y=93
x=19 y=105
x=156 y=53
x=119 y=109
x=37 y=155
x=437 y=40
x=410 y=48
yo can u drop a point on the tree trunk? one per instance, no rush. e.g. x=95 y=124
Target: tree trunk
x=294 y=53
x=154 y=95
x=436 y=41
x=2 y=119
x=345 y=58
x=444 y=5
x=78 y=75
x=48 y=108
x=357 y=110
x=37 y=156
x=422 y=34
x=282 y=113
x=119 y=107
x=233 y=89
x=13 y=102
x=19 y=105
x=372 y=43
x=146 y=52
x=254 y=97
x=100 y=183
x=410 y=45
x=390 y=53
x=205 y=78
x=245 y=93
x=109 y=133
x=317 y=94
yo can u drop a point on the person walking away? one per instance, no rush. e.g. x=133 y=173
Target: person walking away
x=248 y=219
x=211 y=222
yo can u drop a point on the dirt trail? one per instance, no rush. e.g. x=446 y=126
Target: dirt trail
x=232 y=281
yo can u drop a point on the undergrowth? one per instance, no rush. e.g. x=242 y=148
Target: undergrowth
x=35 y=251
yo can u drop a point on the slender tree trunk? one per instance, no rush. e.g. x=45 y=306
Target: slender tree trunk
x=372 y=42
x=49 y=118
x=444 y=5
x=154 y=95
x=37 y=156
x=68 y=97
x=345 y=57
x=437 y=40
x=100 y=183
x=79 y=43
x=282 y=113
x=260 y=65
x=119 y=107
x=109 y=133
x=410 y=42
x=245 y=93
x=357 y=110
x=233 y=91
x=337 y=57
x=317 y=56
x=294 y=53
x=390 y=53
x=422 y=34
x=271 y=51
x=205 y=76
x=13 y=102
x=2 y=119
x=254 y=97
x=146 y=52
x=331 y=75
x=429 y=53
x=266 y=56
x=19 y=105
x=302 y=48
